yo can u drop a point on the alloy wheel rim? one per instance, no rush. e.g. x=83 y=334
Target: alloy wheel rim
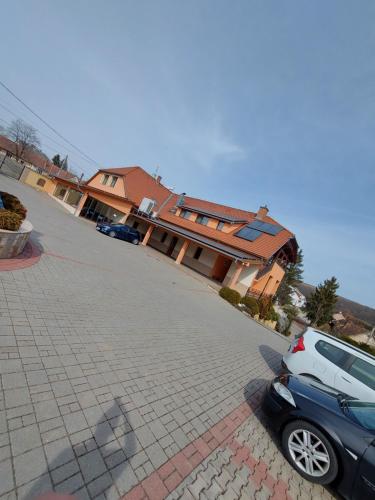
x=308 y=453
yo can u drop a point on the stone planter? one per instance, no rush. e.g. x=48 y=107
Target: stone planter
x=12 y=243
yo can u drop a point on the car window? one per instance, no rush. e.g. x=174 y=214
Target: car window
x=363 y=371
x=332 y=353
x=363 y=413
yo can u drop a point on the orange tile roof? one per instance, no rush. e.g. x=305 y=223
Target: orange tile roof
x=35 y=158
x=264 y=246
x=139 y=184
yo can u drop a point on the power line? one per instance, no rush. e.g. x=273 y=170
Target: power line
x=45 y=135
x=47 y=124
x=52 y=148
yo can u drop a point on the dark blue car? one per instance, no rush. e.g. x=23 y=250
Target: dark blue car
x=327 y=436
x=120 y=231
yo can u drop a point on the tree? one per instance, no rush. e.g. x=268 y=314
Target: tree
x=24 y=135
x=293 y=275
x=56 y=160
x=320 y=305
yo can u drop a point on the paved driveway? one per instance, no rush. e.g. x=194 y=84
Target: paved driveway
x=123 y=374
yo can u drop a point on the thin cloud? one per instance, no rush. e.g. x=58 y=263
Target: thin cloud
x=207 y=143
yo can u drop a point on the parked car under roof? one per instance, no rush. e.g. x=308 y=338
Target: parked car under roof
x=120 y=231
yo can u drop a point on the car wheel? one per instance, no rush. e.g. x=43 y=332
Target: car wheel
x=112 y=234
x=309 y=452
x=135 y=241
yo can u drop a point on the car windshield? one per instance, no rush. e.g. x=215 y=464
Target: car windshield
x=362 y=413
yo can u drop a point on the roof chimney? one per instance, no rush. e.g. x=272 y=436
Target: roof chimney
x=262 y=212
x=158 y=179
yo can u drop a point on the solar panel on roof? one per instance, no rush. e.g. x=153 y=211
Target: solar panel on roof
x=248 y=233
x=265 y=227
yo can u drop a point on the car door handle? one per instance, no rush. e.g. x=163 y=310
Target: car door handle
x=346 y=380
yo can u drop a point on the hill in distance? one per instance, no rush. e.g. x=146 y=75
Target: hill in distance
x=364 y=313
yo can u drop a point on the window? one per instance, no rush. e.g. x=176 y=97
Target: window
x=185 y=214
x=202 y=219
x=41 y=182
x=113 y=181
x=164 y=237
x=135 y=225
x=334 y=354
x=220 y=225
x=364 y=372
x=105 y=179
x=197 y=253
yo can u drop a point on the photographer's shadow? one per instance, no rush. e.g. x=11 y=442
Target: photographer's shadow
x=103 y=435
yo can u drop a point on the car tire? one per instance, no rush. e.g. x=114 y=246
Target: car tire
x=112 y=234
x=322 y=469
x=135 y=241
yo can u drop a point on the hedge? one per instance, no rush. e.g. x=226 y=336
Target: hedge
x=232 y=296
x=251 y=305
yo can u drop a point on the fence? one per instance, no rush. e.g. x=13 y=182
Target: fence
x=10 y=167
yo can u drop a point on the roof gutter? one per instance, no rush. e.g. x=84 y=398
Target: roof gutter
x=174 y=229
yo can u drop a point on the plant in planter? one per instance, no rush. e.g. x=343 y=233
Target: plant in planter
x=12 y=212
x=14 y=229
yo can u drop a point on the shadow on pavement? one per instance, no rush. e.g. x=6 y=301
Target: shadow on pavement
x=272 y=358
x=257 y=384
x=103 y=432
x=36 y=240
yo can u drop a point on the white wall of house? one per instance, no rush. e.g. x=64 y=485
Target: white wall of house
x=246 y=277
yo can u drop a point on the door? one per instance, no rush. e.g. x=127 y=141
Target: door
x=364 y=488
x=220 y=269
x=357 y=379
x=124 y=231
x=328 y=362
x=172 y=246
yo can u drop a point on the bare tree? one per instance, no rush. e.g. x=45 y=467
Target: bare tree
x=24 y=135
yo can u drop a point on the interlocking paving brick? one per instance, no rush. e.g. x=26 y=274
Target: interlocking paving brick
x=64 y=471
x=10 y=365
x=16 y=397
x=46 y=410
x=92 y=465
x=34 y=488
x=75 y=422
x=124 y=478
x=29 y=466
x=6 y=476
x=25 y=439
x=58 y=452
x=156 y=455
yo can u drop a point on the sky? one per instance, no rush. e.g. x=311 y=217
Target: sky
x=243 y=103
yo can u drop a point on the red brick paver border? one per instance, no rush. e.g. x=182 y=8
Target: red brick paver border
x=30 y=256
x=165 y=479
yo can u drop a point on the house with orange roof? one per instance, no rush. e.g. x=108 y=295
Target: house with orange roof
x=247 y=251
x=33 y=159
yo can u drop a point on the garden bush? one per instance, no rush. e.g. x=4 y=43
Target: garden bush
x=272 y=314
x=11 y=221
x=232 y=296
x=13 y=204
x=265 y=304
x=251 y=305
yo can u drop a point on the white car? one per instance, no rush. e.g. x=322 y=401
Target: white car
x=333 y=362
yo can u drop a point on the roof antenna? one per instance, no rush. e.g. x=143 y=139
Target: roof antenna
x=155 y=175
